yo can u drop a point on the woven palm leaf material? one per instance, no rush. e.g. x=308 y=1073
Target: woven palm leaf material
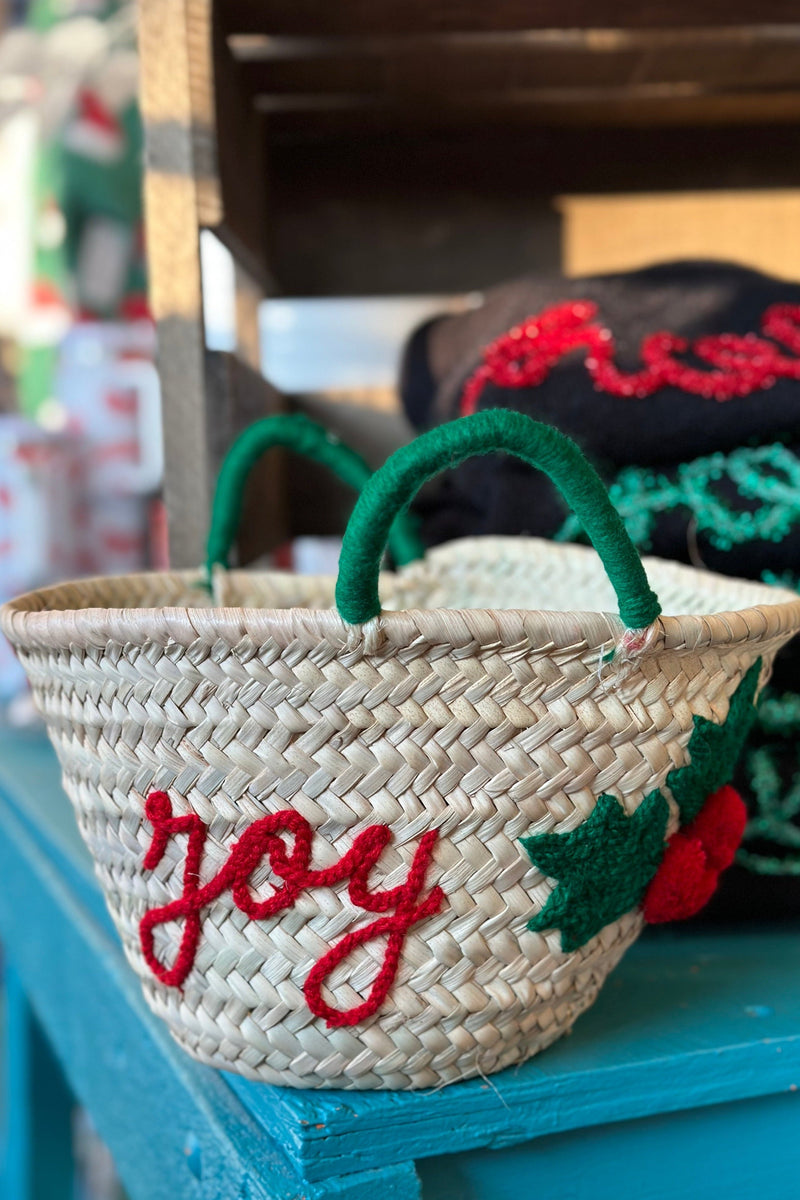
x=485 y=726
x=400 y=850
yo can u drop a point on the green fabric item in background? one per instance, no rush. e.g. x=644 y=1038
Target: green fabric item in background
x=82 y=189
x=296 y=432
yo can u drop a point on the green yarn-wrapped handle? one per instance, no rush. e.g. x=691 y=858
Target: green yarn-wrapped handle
x=296 y=432
x=392 y=488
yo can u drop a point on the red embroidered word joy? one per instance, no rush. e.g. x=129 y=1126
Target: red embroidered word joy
x=525 y=355
x=291 y=864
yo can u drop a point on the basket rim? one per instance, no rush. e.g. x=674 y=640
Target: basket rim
x=51 y=618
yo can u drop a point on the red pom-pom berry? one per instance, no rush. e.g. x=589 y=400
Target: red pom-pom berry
x=683 y=883
x=694 y=858
x=720 y=827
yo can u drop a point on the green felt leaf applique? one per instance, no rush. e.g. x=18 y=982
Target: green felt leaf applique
x=602 y=868
x=713 y=750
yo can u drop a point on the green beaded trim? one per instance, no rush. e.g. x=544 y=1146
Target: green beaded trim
x=768 y=476
x=776 y=803
x=776 y=815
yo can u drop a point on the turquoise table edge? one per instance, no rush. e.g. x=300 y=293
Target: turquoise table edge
x=687 y=1021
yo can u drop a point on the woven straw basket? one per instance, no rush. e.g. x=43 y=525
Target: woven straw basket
x=309 y=823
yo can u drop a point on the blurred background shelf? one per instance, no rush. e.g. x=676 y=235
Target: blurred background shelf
x=422 y=147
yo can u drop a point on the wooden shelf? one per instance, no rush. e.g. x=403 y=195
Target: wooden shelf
x=360 y=17
x=418 y=145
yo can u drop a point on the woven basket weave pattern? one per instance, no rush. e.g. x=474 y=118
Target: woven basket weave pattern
x=483 y=725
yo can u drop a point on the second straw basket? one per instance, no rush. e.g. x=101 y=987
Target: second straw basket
x=391 y=843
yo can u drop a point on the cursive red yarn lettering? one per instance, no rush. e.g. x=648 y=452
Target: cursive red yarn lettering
x=741 y=364
x=291 y=863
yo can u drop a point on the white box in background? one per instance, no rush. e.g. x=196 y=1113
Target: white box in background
x=41 y=480
x=108 y=393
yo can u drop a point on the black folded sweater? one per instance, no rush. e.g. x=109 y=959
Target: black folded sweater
x=681 y=383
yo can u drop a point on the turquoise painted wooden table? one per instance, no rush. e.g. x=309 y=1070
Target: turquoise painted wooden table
x=682 y=1080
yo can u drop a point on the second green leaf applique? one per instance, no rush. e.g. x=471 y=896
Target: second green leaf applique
x=603 y=868
x=714 y=749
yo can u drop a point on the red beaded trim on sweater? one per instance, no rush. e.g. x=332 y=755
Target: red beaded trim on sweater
x=263 y=840
x=525 y=355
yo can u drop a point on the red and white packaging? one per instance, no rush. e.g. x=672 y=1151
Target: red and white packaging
x=94 y=131
x=114 y=537
x=41 y=482
x=108 y=393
